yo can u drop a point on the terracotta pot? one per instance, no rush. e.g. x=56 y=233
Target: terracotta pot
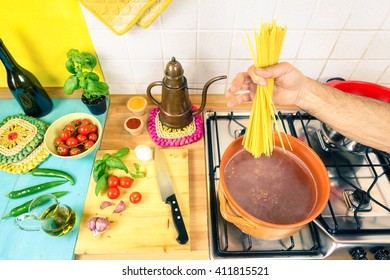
x=137 y=105
x=272 y=197
x=134 y=125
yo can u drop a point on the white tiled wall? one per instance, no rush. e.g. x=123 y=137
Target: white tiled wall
x=325 y=38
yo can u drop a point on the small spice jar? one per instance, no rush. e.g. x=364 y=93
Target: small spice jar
x=137 y=105
x=134 y=125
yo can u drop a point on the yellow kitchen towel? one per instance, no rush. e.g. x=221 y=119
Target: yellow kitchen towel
x=118 y=15
x=153 y=12
x=39 y=33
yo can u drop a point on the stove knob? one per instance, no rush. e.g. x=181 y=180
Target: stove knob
x=380 y=253
x=358 y=253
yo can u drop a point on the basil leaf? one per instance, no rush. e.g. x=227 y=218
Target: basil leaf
x=92 y=76
x=77 y=57
x=72 y=54
x=114 y=162
x=99 y=169
x=122 y=152
x=96 y=88
x=137 y=173
x=70 y=67
x=98 y=162
x=101 y=185
x=90 y=60
x=106 y=156
x=71 y=84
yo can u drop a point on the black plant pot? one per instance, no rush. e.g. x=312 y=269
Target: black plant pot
x=96 y=106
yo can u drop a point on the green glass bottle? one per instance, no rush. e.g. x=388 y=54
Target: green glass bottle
x=25 y=87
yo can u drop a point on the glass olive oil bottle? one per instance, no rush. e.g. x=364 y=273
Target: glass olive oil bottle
x=25 y=87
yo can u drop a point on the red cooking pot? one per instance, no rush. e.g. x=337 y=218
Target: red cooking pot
x=362 y=88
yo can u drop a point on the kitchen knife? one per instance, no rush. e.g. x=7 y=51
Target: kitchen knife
x=168 y=195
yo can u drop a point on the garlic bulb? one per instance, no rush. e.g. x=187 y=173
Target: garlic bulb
x=98 y=225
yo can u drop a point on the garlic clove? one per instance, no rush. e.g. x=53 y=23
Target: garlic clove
x=102 y=224
x=92 y=223
x=120 y=207
x=105 y=204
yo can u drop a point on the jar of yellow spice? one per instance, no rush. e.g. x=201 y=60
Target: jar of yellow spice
x=137 y=105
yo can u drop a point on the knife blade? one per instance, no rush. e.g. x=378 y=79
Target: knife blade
x=168 y=195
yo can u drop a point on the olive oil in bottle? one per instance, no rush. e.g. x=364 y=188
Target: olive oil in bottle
x=25 y=87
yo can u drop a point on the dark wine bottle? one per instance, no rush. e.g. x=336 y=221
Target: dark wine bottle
x=25 y=87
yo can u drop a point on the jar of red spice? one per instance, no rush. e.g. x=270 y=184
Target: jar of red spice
x=134 y=125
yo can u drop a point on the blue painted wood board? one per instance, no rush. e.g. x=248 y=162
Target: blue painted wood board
x=16 y=244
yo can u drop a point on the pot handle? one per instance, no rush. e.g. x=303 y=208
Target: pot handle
x=229 y=214
x=149 y=92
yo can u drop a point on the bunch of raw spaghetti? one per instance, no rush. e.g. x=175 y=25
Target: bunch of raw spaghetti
x=259 y=136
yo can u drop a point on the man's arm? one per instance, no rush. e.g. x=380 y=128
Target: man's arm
x=365 y=120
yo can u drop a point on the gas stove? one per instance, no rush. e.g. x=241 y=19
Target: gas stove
x=354 y=225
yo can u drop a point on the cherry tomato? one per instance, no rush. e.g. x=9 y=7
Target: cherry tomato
x=72 y=142
x=71 y=128
x=135 y=197
x=76 y=122
x=82 y=138
x=86 y=121
x=84 y=129
x=126 y=182
x=74 y=151
x=58 y=141
x=113 y=193
x=88 y=144
x=113 y=181
x=62 y=150
x=93 y=137
x=93 y=128
x=65 y=134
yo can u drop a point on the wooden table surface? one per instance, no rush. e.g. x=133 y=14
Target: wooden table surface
x=116 y=137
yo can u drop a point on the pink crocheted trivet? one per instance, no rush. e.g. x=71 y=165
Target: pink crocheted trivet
x=171 y=137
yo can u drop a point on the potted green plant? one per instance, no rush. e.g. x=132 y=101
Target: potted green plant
x=94 y=92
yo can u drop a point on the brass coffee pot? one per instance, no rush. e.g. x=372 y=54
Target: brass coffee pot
x=175 y=105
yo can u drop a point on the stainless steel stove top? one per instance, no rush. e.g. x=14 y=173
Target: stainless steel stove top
x=356 y=222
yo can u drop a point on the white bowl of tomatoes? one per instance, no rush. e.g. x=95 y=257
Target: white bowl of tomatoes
x=73 y=136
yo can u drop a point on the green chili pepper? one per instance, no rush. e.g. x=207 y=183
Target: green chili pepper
x=52 y=173
x=23 y=208
x=34 y=189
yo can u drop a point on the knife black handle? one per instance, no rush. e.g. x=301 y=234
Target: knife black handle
x=177 y=219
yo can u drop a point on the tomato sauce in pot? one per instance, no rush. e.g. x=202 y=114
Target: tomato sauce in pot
x=278 y=189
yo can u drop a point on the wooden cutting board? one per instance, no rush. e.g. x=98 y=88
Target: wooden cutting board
x=142 y=227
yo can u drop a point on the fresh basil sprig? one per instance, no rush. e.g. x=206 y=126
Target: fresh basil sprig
x=101 y=167
x=138 y=173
